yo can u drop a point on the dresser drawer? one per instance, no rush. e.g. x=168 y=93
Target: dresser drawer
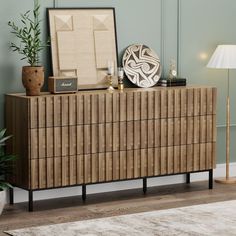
x=111 y=166
x=84 y=109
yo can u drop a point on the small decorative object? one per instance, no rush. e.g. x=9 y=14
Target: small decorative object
x=224 y=57
x=110 y=74
x=62 y=84
x=173 y=70
x=172 y=82
x=5 y=168
x=120 y=79
x=142 y=65
x=30 y=47
x=110 y=87
x=82 y=42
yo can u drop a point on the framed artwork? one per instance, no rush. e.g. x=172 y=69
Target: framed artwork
x=83 y=41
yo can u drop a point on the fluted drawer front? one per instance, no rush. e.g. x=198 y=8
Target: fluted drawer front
x=121 y=136
x=109 y=166
x=82 y=109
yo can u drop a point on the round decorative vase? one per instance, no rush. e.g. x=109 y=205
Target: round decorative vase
x=2 y=200
x=33 y=79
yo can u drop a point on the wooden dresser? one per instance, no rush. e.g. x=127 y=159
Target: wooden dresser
x=96 y=136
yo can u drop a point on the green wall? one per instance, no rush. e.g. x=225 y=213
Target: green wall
x=186 y=30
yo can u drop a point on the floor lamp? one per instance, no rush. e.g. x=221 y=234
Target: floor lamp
x=224 y=57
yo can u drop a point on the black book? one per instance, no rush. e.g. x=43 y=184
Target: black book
x=172 y=84
x=176 y=80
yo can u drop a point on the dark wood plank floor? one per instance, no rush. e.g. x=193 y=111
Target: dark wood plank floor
x=113 y=203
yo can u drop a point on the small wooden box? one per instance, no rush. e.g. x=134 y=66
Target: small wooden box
x=62 y=84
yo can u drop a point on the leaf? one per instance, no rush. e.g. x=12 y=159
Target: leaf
x=2 y=132
x=5 y=185
x=27 y=13
x=6 y=161
x=4 y=139
x=36 y=11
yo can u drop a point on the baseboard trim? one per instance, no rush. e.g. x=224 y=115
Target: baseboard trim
x=22 y=196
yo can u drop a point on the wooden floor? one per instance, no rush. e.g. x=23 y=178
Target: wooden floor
x=113 y=203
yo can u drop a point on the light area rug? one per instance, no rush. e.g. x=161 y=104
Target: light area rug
x=207 y=219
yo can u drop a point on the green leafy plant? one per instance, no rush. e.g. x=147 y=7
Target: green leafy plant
x=5 y=161
x=29 y=35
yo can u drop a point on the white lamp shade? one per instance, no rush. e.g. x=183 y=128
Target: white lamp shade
x=224 y=57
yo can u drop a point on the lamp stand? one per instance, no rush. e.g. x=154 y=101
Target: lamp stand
x=227 y=179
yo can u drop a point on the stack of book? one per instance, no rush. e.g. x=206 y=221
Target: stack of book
x=172 y=82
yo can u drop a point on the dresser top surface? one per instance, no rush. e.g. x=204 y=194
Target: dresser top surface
x=104 y=91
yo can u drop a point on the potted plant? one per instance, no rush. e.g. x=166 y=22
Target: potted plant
x=29 y=35
x=5 y=168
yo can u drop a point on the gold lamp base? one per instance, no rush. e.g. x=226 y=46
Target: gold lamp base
x=225 y=180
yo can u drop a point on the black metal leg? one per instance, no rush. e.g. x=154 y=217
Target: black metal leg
x=84 y=192
x=188 y=179
x=31 y=205
x=144 y=185
x=11 y=196
x=210 y=179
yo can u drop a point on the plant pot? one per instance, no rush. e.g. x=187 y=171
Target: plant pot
x=2 y=200
x=33 y=79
